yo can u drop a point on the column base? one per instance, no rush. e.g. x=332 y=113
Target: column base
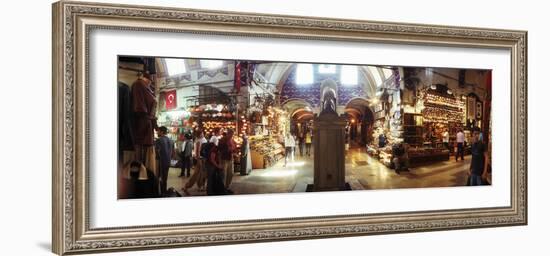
x=311 y=188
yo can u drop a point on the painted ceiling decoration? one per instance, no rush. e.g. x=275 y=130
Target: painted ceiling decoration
x=213 y=72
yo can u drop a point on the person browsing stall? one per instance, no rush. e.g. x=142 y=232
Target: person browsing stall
x=459 y=145
x=290 y=143
x=165 y=152
x=227 y=148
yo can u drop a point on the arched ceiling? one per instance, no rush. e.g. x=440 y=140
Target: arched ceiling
x=359 y=107
x=277 y=73
x=302 y=114
x=293 y=105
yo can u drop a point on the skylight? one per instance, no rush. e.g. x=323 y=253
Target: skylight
x=175 y=66
x=387 y=72
x=304 y=74
x=211 y=64
x=376 y=75
x=349 y=75
x=327 y=69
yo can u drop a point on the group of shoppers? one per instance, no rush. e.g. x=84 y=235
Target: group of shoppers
x=303 y=142
x=210 y=159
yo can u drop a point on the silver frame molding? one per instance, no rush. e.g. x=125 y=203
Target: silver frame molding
x=72 y=23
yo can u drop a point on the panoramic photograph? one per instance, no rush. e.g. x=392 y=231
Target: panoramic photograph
x=207 y=127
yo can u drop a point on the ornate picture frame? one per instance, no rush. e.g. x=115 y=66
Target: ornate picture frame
x=72 y=24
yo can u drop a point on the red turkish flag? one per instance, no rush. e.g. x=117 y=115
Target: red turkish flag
x=171 y=99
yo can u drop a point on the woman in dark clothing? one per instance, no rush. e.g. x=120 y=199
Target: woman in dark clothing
x=301 y=143
x=215 y=180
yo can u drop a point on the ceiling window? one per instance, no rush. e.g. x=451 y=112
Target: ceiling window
x=376 y=75
x=175 y=66
x=387 y=72
x=327 y=69
x=304 y=74
x=211 y=64
x=349 y=75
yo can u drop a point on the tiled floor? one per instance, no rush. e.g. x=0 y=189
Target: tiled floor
x=362 y=172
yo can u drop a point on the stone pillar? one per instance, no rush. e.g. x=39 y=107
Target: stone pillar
x=329 y=150
x=329 y=142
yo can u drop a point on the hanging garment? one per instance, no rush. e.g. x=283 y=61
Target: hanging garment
x=143 y=106
x=125 y=133
x=150 y=65
x=151 y=160
x=128 y=156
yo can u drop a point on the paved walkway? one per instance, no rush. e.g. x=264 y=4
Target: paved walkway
x=362 y=172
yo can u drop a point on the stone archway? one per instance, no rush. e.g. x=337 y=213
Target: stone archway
x=361 y=119
x=300 y=113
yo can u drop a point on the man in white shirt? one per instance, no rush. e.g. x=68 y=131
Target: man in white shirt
x=459 y=145
x=215 y=137
x=445 y=138
x=290 y=143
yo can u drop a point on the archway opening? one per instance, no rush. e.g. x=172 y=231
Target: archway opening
x=300 y=115
x=360 y=122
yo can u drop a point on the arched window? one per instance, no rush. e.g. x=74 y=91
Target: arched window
x=327 y=69
x=304 y=74
x=175 y=66
x=348 y=75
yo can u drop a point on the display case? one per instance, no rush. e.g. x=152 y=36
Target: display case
x=413 y=128
x=420 y=155
x=265 y=151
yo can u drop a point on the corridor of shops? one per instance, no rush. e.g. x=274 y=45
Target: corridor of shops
x=279 y=127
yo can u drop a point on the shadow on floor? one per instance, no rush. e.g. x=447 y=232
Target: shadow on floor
x=47 y=246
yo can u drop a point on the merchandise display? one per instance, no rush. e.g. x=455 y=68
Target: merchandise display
x=385 y=155
x=177 y=123
x=419 y=155
x=265 y=151
x=443 y=109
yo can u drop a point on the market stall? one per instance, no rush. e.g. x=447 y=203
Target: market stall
x=265 y=143
x=265 y=151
